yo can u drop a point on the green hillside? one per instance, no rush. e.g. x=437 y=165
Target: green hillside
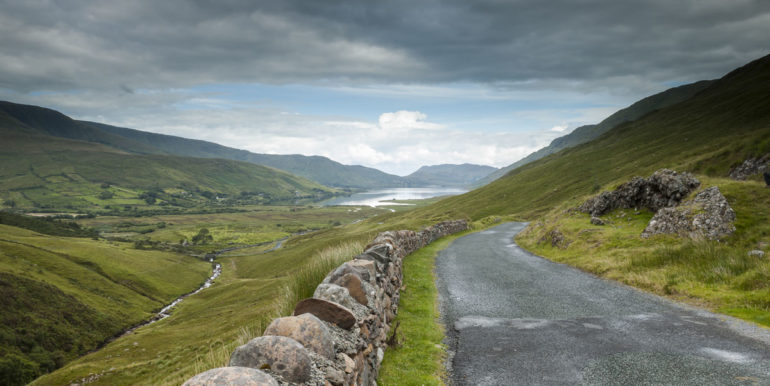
x=717 y=128
x=49 y=173
x=62 y=297
x=33 y=120
x=315 y=168
x=586 y=133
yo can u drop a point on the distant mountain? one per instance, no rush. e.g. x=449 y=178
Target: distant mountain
x=449 y=175
x=83 y=168
x=315 y=168
x=587 y=133
x=39 y=120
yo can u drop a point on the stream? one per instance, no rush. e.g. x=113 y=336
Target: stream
x=165 y=312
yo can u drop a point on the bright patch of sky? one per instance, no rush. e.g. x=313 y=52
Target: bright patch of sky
x=396 y=129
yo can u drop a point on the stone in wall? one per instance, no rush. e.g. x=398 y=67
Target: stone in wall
x=306 y=329
x=279 y=354
x=327 y=311
x=355 y=287
x=334 y=293
x=244 y=376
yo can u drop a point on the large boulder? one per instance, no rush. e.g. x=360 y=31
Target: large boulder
x=238 y=376
x=283 y=356
x=708 y=215
x=664 y=188
x=306 y=329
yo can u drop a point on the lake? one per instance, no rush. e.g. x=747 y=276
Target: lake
x=382 y=197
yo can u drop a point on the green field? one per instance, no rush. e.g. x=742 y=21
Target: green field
x=252 y=290
x=253 y=225
x=63 y=296
x=46 y=173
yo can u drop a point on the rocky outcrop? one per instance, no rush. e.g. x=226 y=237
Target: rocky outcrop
x=664 y=188
x=708 y=215
x=751 y=166
x=354 y=305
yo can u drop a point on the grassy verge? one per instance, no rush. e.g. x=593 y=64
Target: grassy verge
x=721 y=276
x=419 y=360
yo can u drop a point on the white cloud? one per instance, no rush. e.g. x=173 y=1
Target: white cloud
x=406 y=120
x=559 y=128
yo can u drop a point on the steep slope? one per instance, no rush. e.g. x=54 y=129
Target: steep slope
x=61 y=297
x=586 y=133
x=43 y=121
x=717 y=128
x=449 y=175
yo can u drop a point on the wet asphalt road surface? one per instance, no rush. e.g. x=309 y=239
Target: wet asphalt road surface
x=514 y=318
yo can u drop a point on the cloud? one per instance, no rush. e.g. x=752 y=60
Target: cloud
x=499 y=79
x=406 y=120
x=559 y=128
x=176 y=43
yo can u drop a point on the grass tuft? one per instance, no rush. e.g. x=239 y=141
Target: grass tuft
x=303 y=283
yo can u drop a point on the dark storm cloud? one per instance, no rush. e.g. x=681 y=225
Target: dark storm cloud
x=136 y=45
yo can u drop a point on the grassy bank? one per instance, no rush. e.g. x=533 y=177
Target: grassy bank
x=419 y=357
x=717 y=275
x=63 y=296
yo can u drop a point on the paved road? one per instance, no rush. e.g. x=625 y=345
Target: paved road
x=517 y=319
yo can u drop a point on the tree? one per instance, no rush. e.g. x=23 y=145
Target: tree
x=106 y=195
x=203 y=237
x=17 y=370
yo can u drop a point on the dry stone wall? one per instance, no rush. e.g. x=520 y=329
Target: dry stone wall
x=337 y=337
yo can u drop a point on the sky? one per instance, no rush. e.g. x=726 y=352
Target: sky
x=392 y=85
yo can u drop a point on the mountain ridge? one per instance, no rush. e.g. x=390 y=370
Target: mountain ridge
x=32 y=120
x=586 y=133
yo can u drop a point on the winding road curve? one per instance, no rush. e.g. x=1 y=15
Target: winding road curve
x=514 y=318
